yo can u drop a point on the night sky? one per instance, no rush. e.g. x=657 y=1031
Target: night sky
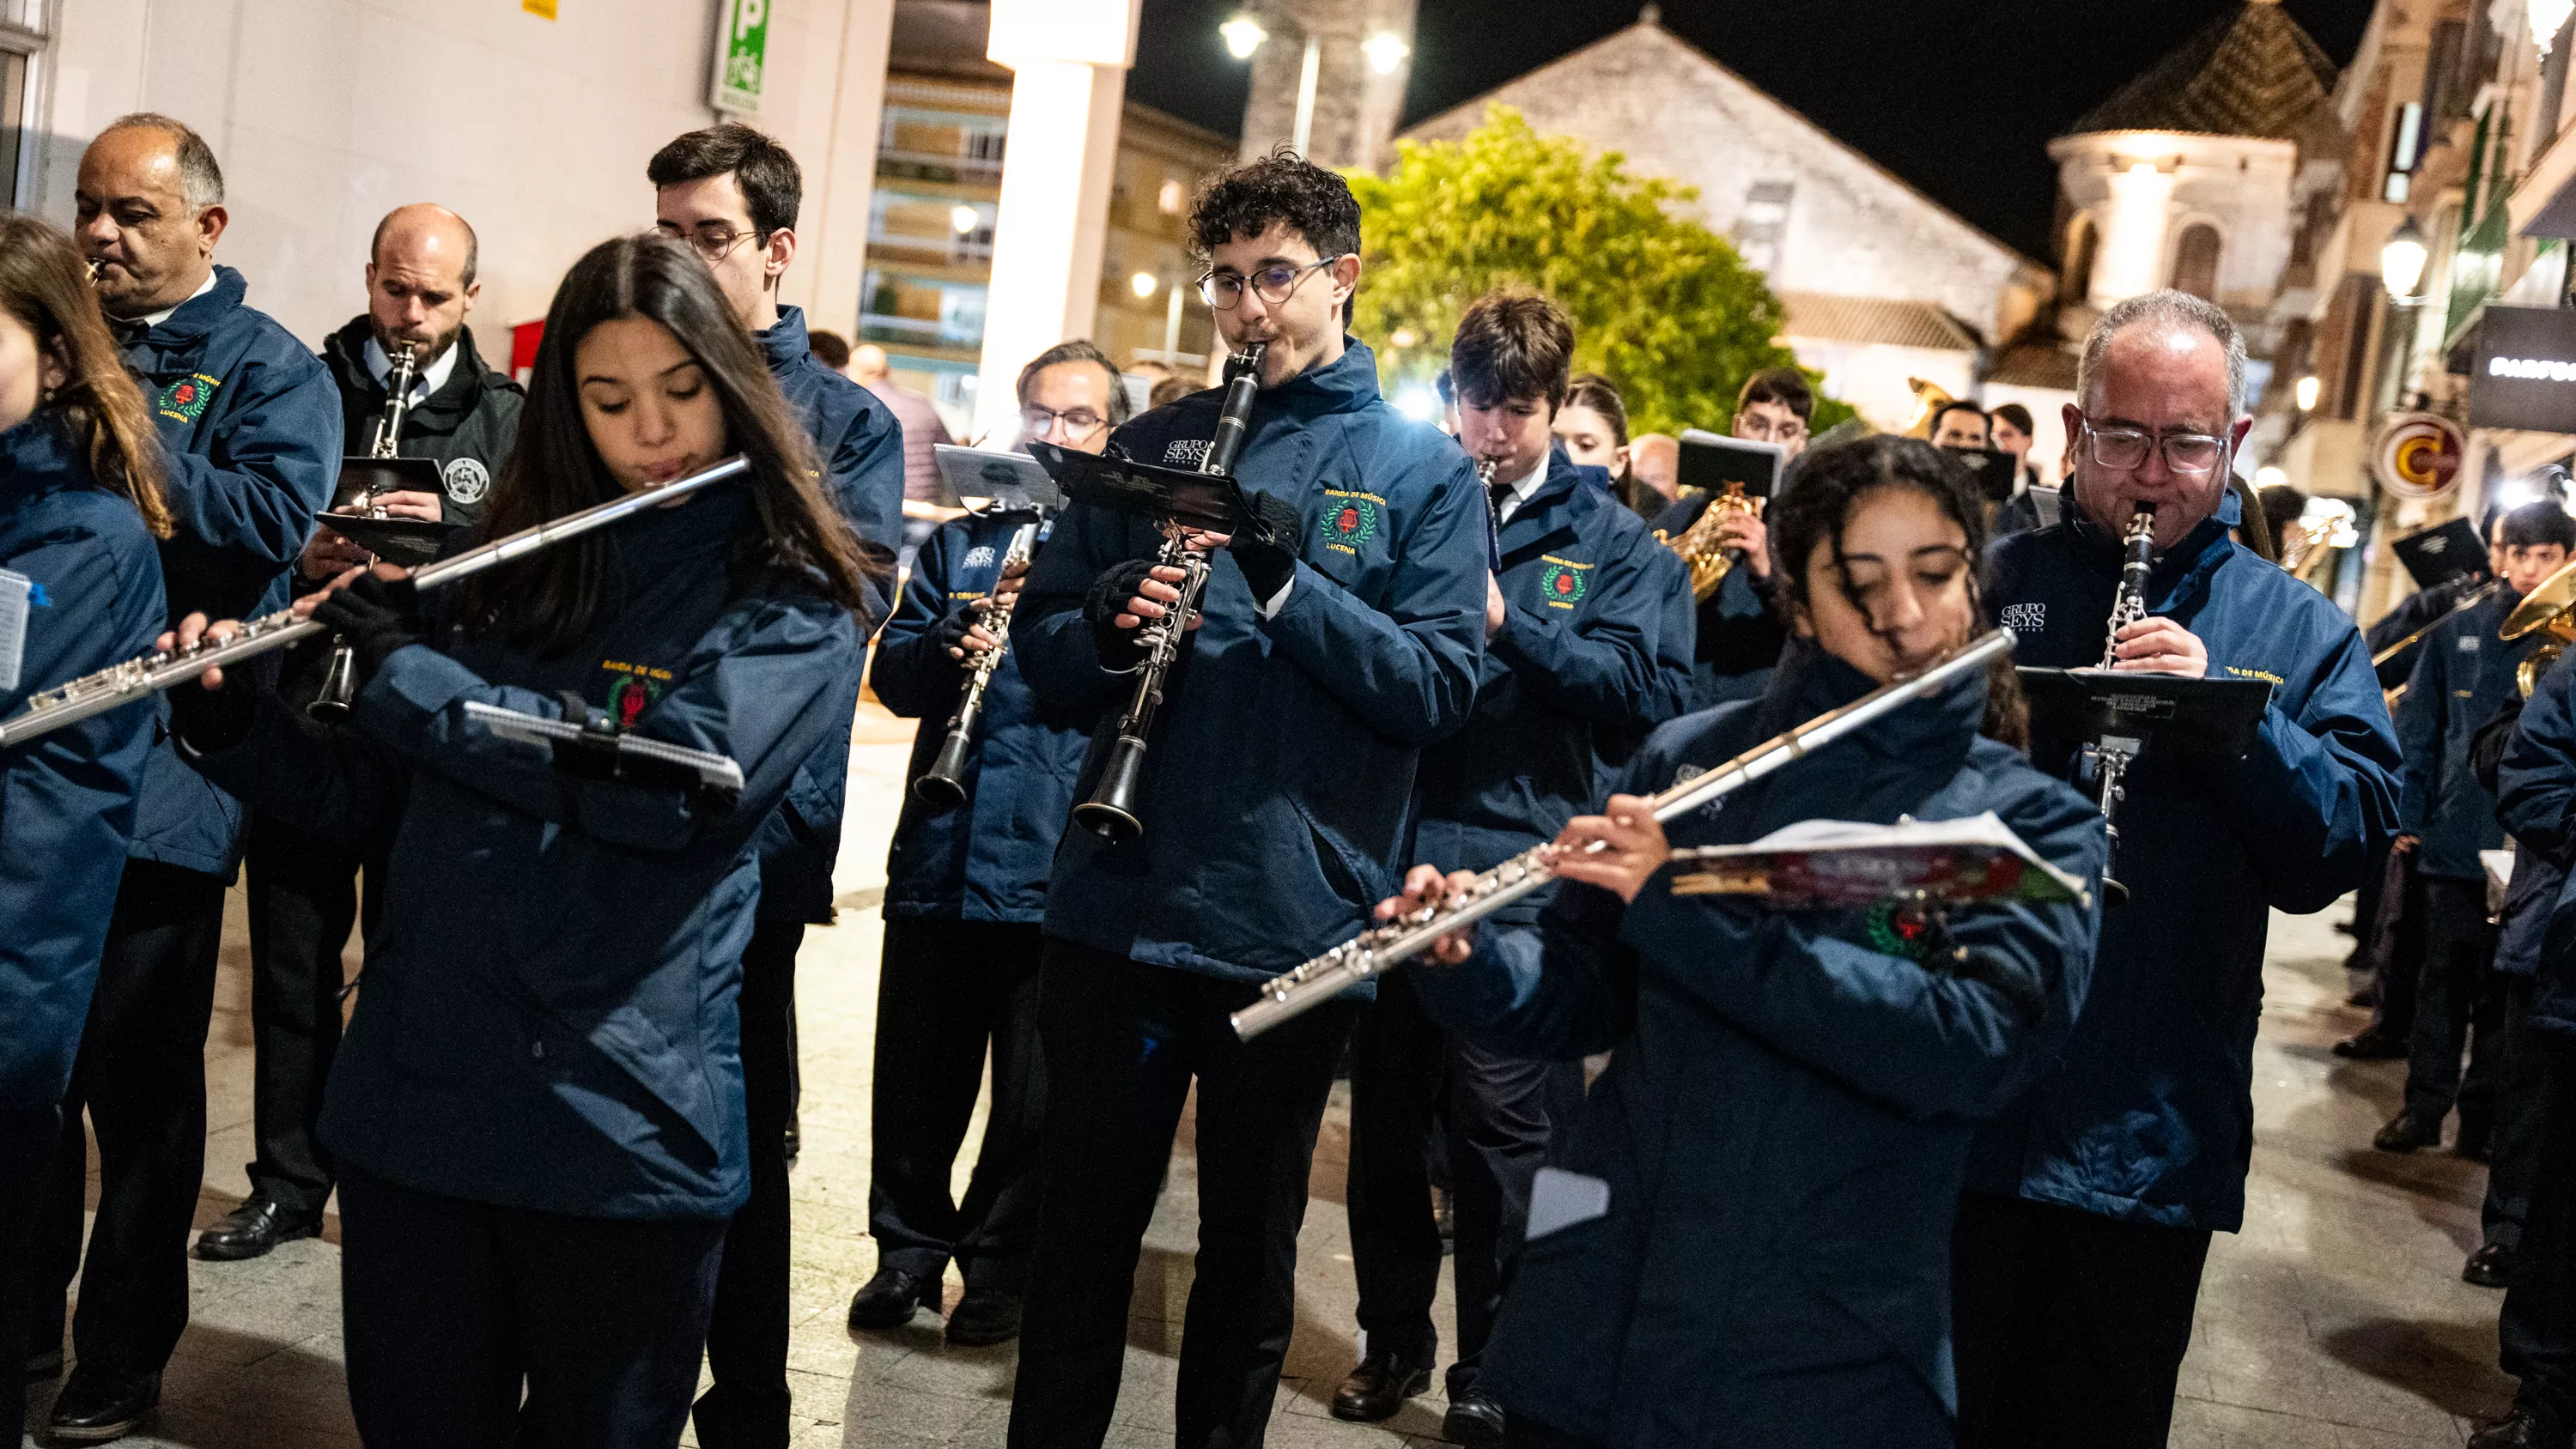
x=1962 y=106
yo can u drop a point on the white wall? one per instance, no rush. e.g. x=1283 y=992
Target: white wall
x=325 y=114
x=2143 y=189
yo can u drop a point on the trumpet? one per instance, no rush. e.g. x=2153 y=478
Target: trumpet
x=1699 y=545
x=340 y=680
x=2549 y=609
x=1110 y=812
x=121 y=684
x=943 y=785
x=1380 y=947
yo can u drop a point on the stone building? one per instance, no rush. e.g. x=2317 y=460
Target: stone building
x=1361 y=51
x=1881 y=282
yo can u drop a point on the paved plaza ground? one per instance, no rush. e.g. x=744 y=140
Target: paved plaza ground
x=2336 y=1320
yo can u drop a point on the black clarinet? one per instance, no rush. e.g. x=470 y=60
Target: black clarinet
x=1110 y=812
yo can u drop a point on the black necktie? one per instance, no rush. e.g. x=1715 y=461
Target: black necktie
x=1498 y=493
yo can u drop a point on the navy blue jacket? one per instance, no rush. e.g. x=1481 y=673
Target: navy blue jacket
x=2536 y=801
x=1282 y=761
x=862 y=451
x=2463 y=675
x=985 y=860
x=66 y=798
x=250 y=430
x=1788 y=1109
x=548 y=1017
x=1596 y=639
x=1739 y=636
x=2150 y=1116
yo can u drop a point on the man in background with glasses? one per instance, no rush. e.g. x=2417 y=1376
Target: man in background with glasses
x=1071 y=395
x=2078 y=1251
x=731 y=194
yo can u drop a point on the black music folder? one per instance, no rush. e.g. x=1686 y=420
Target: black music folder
x=410 y=542
x=2210 y=718
x=2446 y=551
x=1187 y=497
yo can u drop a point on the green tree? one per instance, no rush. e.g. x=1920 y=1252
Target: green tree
x=1662 y=306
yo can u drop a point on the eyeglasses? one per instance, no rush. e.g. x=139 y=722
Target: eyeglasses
x=1224 y=290
x=2127 y=448
x=1079 y=423
x=713 y=245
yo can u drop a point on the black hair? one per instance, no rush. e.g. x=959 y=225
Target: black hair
x=1831 y=484
x=1592 y=390
x=2015 y=414
x=829 y=348
x=2282 y=507
x=549 y=600
x=1282 y=186
x=1954 y=405
x=2537 y=525
x=1078 y=350
x=1783 y=385
x=1512 y=346
x=772 y=184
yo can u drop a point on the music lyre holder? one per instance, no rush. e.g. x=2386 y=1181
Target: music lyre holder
x=595 y=748
x=2116 y=717
x=409 y=542
x=1009 y=483
x=1191 y=499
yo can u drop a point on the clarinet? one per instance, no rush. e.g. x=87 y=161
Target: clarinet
x=121 y=684
x=2130 y=604
x=1379 y=947
x=340 y=680
x=943 y=785
x=1110 y=812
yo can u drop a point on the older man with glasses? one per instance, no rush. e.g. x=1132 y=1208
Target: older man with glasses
x=2088 y=1210
x=1071 y=395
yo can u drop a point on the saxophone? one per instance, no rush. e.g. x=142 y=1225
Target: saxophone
x=1699 y=545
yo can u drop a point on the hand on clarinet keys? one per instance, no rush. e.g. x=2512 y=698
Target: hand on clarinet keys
x=1161 y=588
x=2162 y=646
x=1425 y=886
x=965 y=635
x=1632 y=849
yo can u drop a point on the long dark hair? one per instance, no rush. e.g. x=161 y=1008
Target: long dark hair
x=45 y=285
x=550 y=599
x=1831 y=483
x=1592 y=390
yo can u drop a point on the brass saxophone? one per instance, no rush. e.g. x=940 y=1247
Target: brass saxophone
x=1700 y=546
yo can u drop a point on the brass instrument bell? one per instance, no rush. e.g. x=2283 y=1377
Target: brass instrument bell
x=1699 y=545
x=2548 y=609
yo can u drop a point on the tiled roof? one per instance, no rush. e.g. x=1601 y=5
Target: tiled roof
x=2251 y=72
x=1827 y=318
x=2035 y=364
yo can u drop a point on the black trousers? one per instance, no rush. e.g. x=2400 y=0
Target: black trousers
x=2536 y=1330
x=1405 y=1073
x=303 y=897
x=2454 y=1008
x=27 y=1137
x=1123 y=1043
x=746 y=1334
x=451 y=1309
x=2069 y=1327
x=141 y=1076
x=2400 y=952
x=950 y=990
x=2521 y=1103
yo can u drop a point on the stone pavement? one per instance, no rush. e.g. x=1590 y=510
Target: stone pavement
x=2336 y=1320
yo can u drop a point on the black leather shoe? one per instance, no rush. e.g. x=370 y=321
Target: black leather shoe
x=985 y=1316
x=2520 y=1429
x=1474 y=1419
x=888 y=1299
x=2370 y=1044
x=1379 y=1387
x=252 y=1230
x=95 y=1407
x=2491 y=1266
x=2404 y=1134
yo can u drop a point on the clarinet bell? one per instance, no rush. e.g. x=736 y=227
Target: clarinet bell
x=1110 y=813
x=339 y=686
x=943 y=786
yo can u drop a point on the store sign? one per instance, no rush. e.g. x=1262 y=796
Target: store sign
x=2418 y=454
x=742 y=54
x=2524 y=375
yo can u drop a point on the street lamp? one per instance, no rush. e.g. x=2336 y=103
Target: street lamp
x=1143 y=284
x=2308 y=387
x=1386 y=50
x=962 y=219
x=1243 y=35
x=2401 y=261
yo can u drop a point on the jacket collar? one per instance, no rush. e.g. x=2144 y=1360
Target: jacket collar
x=1344 y=385
x=37 y=455
x=786 y=342
x=2181 y=570
x=1930 y=733
x=345 y=352
x=197 y=316
x=707 y=522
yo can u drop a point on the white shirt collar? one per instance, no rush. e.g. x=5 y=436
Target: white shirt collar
x=1522 y=487
x=155 y=319
x=428 y=380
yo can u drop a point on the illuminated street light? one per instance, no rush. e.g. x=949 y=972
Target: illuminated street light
x=2308 y=387
x=1144 y=284
x=1243 y=35
x=1386 y=50
x=963 y=219
x=2401 y=260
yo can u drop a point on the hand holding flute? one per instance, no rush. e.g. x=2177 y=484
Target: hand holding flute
x=1618 y=850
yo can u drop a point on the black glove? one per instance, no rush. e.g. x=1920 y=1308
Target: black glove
x=376 y=616
x=952 y=627
x=1106 y=601
x=210 y=721
x=1266 y=544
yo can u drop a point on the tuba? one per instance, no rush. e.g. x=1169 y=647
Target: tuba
x=2548 y=609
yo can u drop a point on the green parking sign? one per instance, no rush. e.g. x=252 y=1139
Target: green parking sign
x=742 y=49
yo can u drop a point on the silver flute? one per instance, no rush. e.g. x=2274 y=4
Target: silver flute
x=943 y=785
x=120 y=684
x=1379 y=947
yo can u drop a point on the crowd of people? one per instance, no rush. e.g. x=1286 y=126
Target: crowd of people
x=1706 y=1171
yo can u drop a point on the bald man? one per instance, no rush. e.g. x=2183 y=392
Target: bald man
x=303 y=890
x=251 y=434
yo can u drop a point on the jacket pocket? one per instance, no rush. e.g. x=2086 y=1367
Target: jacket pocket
x=1351 y=876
